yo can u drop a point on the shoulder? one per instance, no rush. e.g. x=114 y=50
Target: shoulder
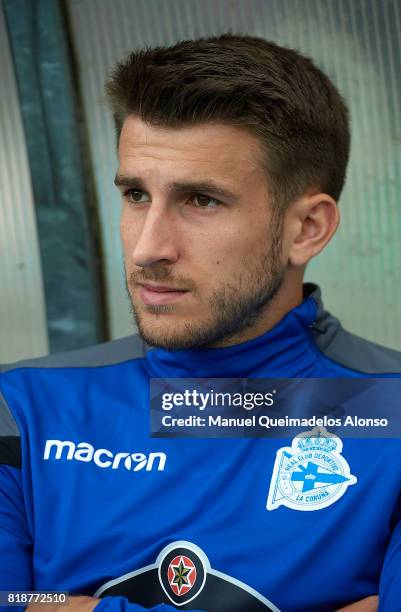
x=347 y=349
x=107 y=353
x=18 y=379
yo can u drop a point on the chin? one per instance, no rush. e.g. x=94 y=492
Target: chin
x=170 y=343
x=164 y=335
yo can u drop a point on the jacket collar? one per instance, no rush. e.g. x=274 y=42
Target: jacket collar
x=286 y=350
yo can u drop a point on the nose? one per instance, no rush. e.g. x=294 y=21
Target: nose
x=156 y=242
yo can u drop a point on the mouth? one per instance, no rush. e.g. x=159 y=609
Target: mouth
x=152 y=294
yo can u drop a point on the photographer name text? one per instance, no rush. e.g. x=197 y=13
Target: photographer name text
x=269 y=422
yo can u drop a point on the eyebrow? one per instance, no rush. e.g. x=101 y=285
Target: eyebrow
x=180 y=187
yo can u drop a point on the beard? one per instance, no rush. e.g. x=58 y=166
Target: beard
x=235 y=306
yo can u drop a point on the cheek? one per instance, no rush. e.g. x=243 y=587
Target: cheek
x=129 y=233
x=248 y=245
x=228 y=249
x=123 y=224
x=124 y=235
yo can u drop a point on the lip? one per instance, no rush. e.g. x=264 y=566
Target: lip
x=154 y=287
x=159 y=294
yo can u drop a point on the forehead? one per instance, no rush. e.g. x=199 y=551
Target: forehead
x=213 y=148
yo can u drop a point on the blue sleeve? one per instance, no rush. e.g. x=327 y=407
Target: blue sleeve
x=16 y=545
x=390 y=581
x=15 y=540
x=121 y=604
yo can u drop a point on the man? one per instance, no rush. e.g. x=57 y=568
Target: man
x=232 y=156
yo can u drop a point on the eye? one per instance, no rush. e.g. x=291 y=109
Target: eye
x=204 y=201
x=135 y=196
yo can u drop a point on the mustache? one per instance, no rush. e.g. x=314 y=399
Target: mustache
x=160 y=275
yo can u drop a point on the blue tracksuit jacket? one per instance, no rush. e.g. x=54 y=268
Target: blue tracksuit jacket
x=91 y=504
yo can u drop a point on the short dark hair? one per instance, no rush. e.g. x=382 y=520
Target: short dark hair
x=275 y=93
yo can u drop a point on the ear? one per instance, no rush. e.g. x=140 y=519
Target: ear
x=313 y=220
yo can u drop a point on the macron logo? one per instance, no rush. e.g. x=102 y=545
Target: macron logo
x=103 y=458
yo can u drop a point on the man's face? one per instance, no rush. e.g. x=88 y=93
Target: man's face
x=196 y=219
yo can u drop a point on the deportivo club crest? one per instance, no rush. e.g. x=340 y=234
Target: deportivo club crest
x=311 y=474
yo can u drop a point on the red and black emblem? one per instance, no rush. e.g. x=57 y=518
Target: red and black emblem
x=182 y=574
